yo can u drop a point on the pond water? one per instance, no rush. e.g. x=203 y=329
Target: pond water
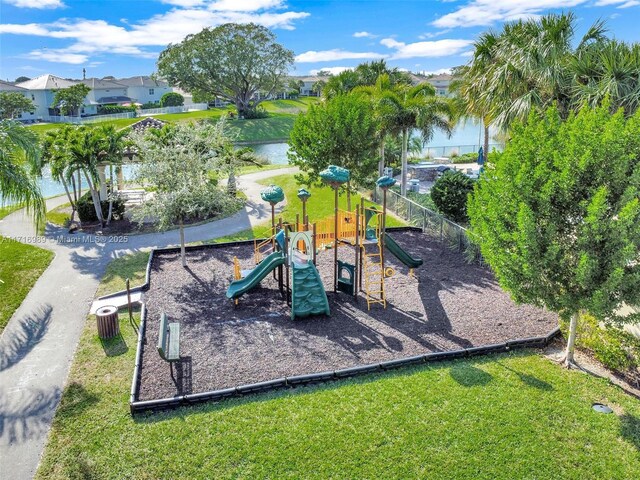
x=465 y=138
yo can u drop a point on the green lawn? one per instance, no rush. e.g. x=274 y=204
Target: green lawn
x=319 y=206
x=58 y=215
x=275 y=127
x=4 y=211
x=131 y=266
x=504 y=416
x=20 y=266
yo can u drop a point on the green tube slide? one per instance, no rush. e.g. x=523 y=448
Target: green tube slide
x=240 y=287
x=400 y=253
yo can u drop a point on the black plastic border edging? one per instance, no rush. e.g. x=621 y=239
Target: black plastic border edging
x=139 y=406
x=322 y=377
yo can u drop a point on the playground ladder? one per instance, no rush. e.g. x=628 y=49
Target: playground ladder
x=373 y=276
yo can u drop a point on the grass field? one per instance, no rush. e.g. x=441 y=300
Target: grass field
x=275 y=127
x=505 y=416
x=4 y=211
x=319 y=206
x=20 y=266
x=58 y=215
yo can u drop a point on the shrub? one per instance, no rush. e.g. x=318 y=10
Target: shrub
x=111 y=109
x=612 y=346
x=87 y=212
x=171 y=99
x=450 y=194
x=466 y=158
x=148 y=105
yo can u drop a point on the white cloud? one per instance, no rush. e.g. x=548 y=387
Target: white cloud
x=24 y=29
x=184 y=3
x=486 y=12
x=427 y=35
x=331 y=70
x=619 y=3
x=145 y=38
x=40 y=4
x=438 y=48
x=440 y=71
x=58 y=56
x=245 y=5
x=335 y=54
x=364 y=35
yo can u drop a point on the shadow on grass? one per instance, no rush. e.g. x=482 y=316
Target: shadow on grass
x=630 y=429
x=75 y=399
x=114 y=346
x=468 y=375
x=461 y=366
x=16 y=344
x=529 y=380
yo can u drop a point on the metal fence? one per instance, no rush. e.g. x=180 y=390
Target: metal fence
x=432 y=223
x=180 y=109
x=448 y=151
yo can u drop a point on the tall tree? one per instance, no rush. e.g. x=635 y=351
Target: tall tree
x=13 y=104
x=233 y=62
x=558 y=218
x=19 y=160
x=177 y=164
x=407 y=108
x=56 y=153
x=70 y=99
x=340 y=131
x=525 y=67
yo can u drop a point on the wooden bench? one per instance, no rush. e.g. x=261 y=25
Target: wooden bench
x=169 y=340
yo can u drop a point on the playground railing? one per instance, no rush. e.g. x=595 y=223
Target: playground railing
x=432 y=223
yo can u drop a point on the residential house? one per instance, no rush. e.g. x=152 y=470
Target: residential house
x=103 y=92
x=10 y=87
x=308 y=84
x=42 y=91
x=441 y=83
x=144 y=89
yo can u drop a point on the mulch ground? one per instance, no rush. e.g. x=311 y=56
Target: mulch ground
x=448 y=305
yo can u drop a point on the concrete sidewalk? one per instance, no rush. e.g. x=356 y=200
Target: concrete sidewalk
x=40 y=340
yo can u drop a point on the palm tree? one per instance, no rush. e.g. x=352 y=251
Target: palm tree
x=19 y=161
x=608 y=71
x=232 y=159
x=523 y=68
x=376 y=94
x=407 y=108
x=113 y=145
x=56 y=153
x=85 y=154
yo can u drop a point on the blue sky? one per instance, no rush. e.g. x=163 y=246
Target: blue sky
x=124 y=37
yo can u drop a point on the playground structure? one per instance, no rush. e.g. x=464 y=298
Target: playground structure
x=290 y=252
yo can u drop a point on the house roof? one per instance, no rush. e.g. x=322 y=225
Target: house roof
x=115 y=99
x=147 y=123
x=101 y=84
x=46 y=82
x=142 y=81
x=10 y=87
x=440 y=77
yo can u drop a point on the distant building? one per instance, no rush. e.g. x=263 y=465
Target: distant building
x=309 y=82
x=144 y=89
x=42 y=91
x=103 y=92
x=10 y=87
x=441 y=83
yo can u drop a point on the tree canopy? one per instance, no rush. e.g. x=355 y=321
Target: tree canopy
x=341 y=132
x=171 y=99
x=232 y=62
x=19 y=161
x=557 y=216
x=13 y=104
x=70 y=99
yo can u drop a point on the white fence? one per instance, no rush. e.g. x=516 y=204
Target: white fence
x=184 y=108
x=81 y=120
x=453 y=150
